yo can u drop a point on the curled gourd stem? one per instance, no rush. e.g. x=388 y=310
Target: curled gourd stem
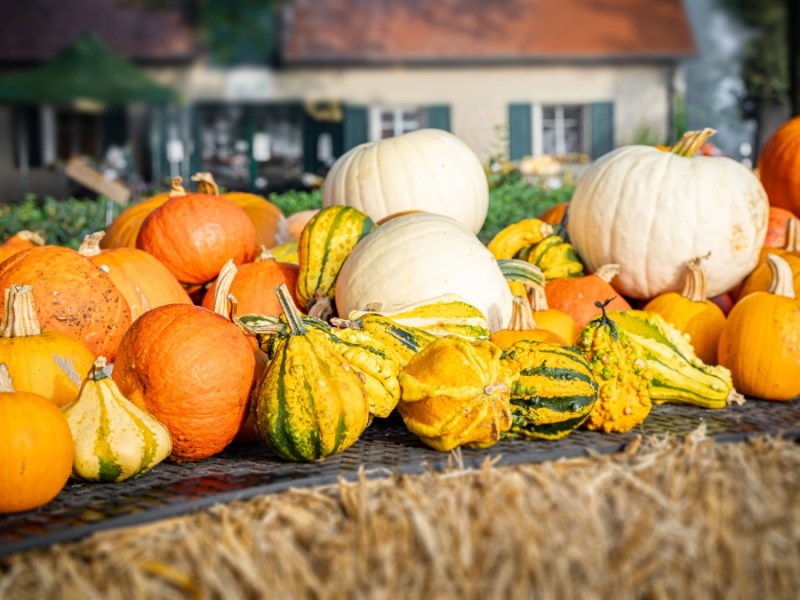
x=792 y=235
x=782 y=283
x=206 y=184
x=692 y=141
x=521 y=315
x=176 y=189
x=19 y=313
x=604 y=320
x=90 y=246
x=695 y=285
x=6 y=385
x=608 y=272
x=30 y=236
x=290 y=310
x=224 y=281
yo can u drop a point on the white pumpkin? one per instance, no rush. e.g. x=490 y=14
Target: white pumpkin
x=420 y=256
x=428 y=169
x=651 y=212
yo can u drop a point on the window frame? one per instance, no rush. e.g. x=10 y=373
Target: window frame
x=376 y=114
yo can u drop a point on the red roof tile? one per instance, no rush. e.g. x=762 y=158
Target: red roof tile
x=469 y=30
x=37 y=30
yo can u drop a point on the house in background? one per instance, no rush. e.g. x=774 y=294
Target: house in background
x=302 y=83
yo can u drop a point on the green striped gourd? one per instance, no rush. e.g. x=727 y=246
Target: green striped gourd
x=402 y=340
x=553 y=391
x=676 y=373
x=310 y=402
x=324 y=244
x=114 y=439
x=555 y=257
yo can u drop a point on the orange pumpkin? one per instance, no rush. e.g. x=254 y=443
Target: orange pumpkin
x=776 y=227
x=760 y=342
x=523 y=327
x=22 y=240
x=761 y=277
x=142 y=279
x=49 y=363
x=693 y=313
x=555 y=214
x=36 y=460
x=194 y=235
x=779 y=166
x=576 y=296
x=192 y=369
x=72 y=295
x=123 y=230
x=254 y=282
x=556 y=321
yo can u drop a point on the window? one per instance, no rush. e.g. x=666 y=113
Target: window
x=563 y=129
x=389 y=122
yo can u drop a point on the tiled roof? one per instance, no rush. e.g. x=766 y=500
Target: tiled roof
x=36 y=30
x=483 y=30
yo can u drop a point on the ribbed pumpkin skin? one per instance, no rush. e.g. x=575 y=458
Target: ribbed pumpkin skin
x=142 y=279
x=779 y=166
x=420 y=256
x=195 y=235
x=123 y=230
x=37 y=451
x=427 y=169
x=254 y=287
x=272 y=228
x=554 y=392
x=72 y=295
x=298 y=417
x=192 y=370
x=651 y=212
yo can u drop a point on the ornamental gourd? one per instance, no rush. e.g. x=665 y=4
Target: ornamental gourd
x=37 y=448
x=427 y=169
x=417 y=257
x=114 y=439
x=45 y=362
x=651 y=212
x=760 y=342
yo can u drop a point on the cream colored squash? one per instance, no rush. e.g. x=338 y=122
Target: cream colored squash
x=428 y=169
x=652 y=211
x=421 y=256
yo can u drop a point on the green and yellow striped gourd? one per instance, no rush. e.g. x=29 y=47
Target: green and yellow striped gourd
x=114 y=439
x=553 y=390
x=326 y=241
x=555 y=257
x=310 y=402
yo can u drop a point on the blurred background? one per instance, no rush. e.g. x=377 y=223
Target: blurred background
x=267 y=94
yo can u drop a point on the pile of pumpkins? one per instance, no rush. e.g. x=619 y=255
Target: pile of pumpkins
x=200 y=319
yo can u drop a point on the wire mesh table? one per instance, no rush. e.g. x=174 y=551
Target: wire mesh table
x=385 y=448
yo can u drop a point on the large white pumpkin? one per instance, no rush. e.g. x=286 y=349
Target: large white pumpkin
x=651 y=212
x=429 y=170
x=421 y=256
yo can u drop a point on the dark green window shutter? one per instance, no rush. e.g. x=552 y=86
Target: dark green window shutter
x=196 y=136
x=28 y=139
x=439 y=117
x=115 y=127
x=356 y=126
x=520 y=131
x=602 y=124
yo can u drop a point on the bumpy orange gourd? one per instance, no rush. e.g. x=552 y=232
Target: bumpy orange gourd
x=72 y=295
x=37 y=449
x=576 y=296
x=192 y=370
x=693 y=313
x=779 y=166
x=142 y=279
x=49 y=363
x=22 y=240
x=194 y=235
x=760 y=342
x=523 y=327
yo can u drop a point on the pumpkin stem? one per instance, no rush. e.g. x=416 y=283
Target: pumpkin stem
x=98 y=369
x=30 y=236
x=224 y=281
x=604 y=320
x=495 y=387
x=176 y=189
x=792 y=235
x=206 y=184
x=782 y=283
x=320 y=306
x=696 y=282
x=6 y=385
x=521 y=315
x=734 y=397
x=264 y=253
x=19 y=313
x=346 y=324
x=608 y=272
x=296 y=325
x=90 y=246
x=538 y=298
x=691 y=142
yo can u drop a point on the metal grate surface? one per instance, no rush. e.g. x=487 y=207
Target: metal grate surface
x=385 y=448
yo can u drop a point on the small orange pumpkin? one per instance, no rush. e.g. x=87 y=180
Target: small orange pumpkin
x=36 y=460
x=760 y=342
x=555 y=320
x=776 y=227
x=523 y=327
x=22 y=240
x=577 y=296
x=124 y=229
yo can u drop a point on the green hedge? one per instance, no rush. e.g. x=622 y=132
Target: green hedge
x=66 y=222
